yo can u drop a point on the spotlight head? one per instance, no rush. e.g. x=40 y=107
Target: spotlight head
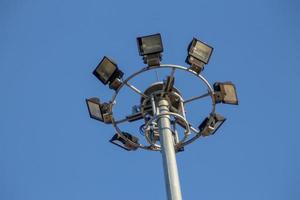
x=150 y=44
x=198 y=54
x=107 y=71
x=94 y=108
x=118 y=140
x=200 y=50
x=211 y=124
x=98 y=111
x=150 y=47
x=225 y=93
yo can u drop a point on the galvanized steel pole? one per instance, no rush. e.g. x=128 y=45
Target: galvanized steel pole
x=168 y=153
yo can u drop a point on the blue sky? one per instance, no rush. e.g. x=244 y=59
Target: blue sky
x=51 y=149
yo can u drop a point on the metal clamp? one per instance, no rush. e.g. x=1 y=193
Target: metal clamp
x=156 y=117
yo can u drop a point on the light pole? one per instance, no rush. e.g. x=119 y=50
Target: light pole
x=168 y=152
x=161 y=107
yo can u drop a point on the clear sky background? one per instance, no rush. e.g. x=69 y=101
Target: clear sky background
x=51 y=149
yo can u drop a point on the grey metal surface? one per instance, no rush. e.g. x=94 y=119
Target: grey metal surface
x=158 y=116
x=168 y=153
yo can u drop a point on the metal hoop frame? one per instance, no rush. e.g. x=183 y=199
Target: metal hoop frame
x=189 y=127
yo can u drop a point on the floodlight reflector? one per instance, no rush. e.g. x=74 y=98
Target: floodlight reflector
x=150 y=44
x=150 y=47
x=226 y=93
x=211 y=124
x=107 y=71
x=198 y=55
x=118 y=140
x=94 y=108
x=200 y=50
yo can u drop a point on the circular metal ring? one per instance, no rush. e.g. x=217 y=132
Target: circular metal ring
x=174 y=67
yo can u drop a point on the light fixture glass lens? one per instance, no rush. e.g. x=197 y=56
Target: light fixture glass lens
x=95 y=110
x=201 y=51
x=230 y=94
x=106 y=70
x=150 y=44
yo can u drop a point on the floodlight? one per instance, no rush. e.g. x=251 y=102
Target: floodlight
x=98 y=111
x=107 y=71
x=94 y=107
x=200 y=50
x=150 y=47
x=150 y=44
x=198 y=55
x=211 y=124
x=118 y=140
x=225 y=93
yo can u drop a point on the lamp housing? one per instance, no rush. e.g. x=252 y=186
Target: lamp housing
x=200 y=50
x=211 y=124
x=226 y=93
x=198 y=55
x=150 y=44
x=150 y=47
x=94 y=107
x=125 y=141
x=107 y=71
x=99 y=111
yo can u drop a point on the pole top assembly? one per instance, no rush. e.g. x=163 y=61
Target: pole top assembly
x=161 y=108
x=150 y=48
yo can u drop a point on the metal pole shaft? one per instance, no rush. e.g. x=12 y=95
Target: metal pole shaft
x=168 y=153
